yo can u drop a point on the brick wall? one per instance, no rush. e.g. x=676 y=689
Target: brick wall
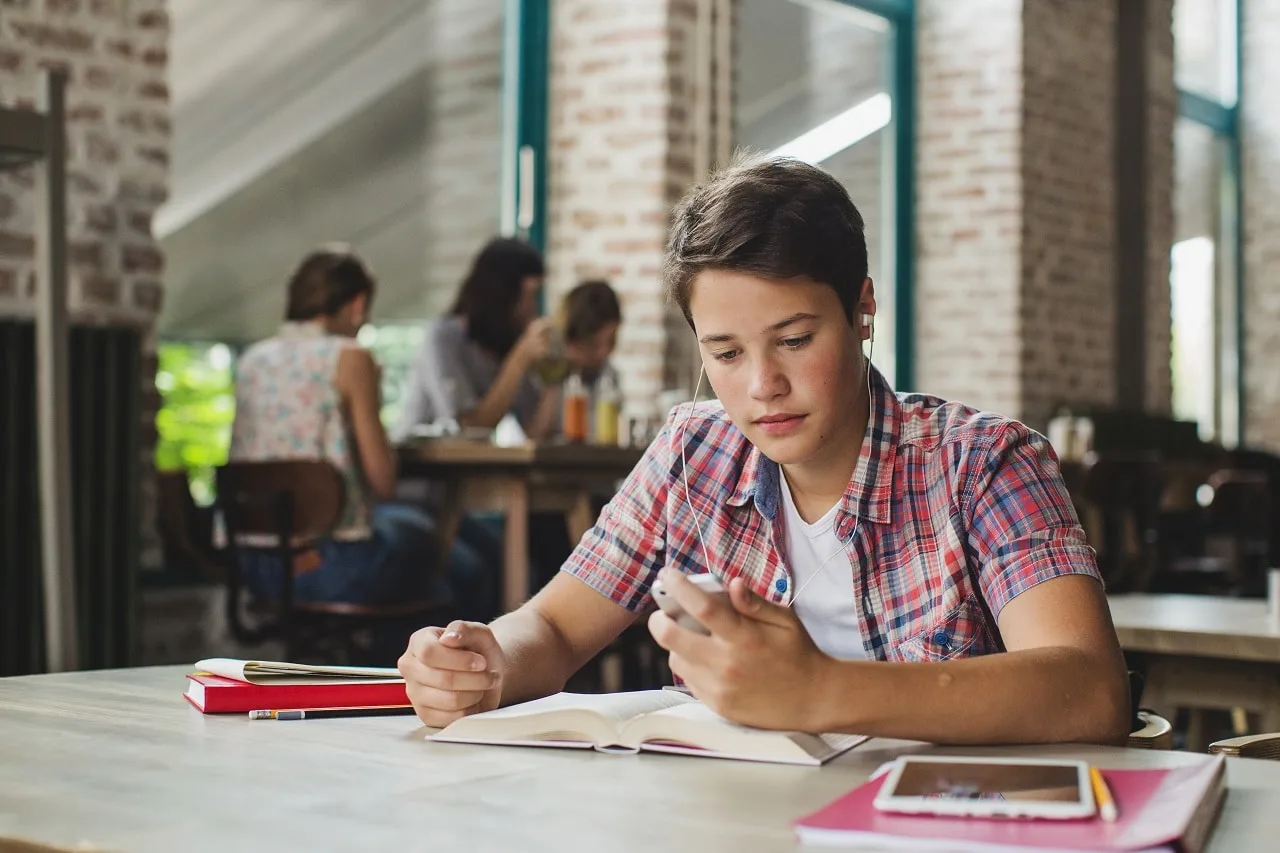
x=1260 y=135
x=1067 y=301
x=621 y=154
x=115 y=52
x=461 y=151
x=968 y=208
x=1016 y=221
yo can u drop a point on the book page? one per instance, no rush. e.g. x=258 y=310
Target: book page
x=279 y=672
x=693 y=728
x=564 y=716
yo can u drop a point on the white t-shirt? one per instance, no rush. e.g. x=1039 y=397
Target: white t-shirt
x=822 y=581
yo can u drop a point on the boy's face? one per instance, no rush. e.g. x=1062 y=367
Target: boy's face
x=783 y=360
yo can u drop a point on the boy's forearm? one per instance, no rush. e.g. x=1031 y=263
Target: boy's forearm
x=1036 y=695
x=538 y=658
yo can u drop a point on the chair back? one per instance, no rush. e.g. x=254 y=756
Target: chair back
x=186 y=534
x=311 y=493
x=291 y=501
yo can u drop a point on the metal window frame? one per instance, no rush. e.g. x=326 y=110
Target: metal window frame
x=525 y=85
x=901 y=15
x=527 y=27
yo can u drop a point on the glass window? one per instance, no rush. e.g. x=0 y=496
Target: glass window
x=393 y=346
x=376 y=124
x=197 y=407
x=814 y=81
x=1204 y=39
x=1202 y=283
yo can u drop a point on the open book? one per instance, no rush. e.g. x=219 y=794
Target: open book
x=650 y=720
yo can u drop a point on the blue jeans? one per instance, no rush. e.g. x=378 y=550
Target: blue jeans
x=393 y=564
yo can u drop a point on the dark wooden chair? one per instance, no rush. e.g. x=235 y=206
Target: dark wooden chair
x=1119 y=500
x=293 y=503
x=186 y=531
x=1147 y=729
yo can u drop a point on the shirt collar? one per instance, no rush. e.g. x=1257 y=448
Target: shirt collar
x=300 y=330
x=870 y=492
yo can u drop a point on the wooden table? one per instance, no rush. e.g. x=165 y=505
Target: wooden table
x=480 y=476
x=117 y=759
x=1204 y=652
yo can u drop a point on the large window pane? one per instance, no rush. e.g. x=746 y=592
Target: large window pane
x=1202 y=282
x=813 y=81
x=373 y=123
x=1204 y=38
x=197 y=406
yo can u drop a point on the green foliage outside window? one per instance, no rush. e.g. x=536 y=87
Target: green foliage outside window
x=393 y=346
x=197 y=394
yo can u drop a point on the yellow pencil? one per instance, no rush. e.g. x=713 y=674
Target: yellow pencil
x=1101 y=793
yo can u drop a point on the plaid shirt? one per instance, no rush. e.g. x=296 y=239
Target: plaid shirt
x=950 y=514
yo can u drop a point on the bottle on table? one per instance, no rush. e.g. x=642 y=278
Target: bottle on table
x=574 y=420
x=607 y=410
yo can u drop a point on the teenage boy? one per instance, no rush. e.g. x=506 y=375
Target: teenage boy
x=897 y=565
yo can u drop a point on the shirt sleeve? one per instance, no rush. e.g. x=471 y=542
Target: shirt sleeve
x=621 y=555
x=1022 y=525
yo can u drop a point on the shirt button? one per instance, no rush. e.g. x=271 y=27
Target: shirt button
x=780 y=585
x=942 y=638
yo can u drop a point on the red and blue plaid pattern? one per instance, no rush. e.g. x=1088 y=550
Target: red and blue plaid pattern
x=950 y=514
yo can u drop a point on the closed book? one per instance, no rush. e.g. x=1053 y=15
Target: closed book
x=215 y=694
x=1160 y=809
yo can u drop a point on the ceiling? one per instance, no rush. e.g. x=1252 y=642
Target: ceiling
x=321 y=121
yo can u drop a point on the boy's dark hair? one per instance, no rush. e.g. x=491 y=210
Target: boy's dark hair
x=326 y=280
x=588 y=308
x=492 y=289
x=775 y=218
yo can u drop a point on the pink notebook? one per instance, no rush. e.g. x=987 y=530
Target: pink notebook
x=1162 y=809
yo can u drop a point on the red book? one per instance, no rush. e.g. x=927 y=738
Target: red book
x=1162 y=809
x=213 y=694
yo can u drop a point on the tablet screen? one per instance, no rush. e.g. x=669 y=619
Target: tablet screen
x=937 y=780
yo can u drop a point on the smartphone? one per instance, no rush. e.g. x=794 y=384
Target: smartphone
x=708 y=583
x=988 y=787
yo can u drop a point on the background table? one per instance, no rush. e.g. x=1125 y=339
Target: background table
x=480 y=476
x=1202 y=651
x=118 y=759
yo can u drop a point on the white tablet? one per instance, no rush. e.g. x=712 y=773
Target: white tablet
x=988 y=787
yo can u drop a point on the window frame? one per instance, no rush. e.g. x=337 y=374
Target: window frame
x=901 y=15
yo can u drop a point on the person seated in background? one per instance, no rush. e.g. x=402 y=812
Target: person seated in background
x=590 y=316
x=897 y=565
x=475 y=364
x=312 y=392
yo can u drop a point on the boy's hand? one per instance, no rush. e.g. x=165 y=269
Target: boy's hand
x=453 y=672
x=759 y=667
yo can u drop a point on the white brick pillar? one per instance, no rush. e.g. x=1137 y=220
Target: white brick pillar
x=116 y=56
x=633 y=111
x=969 y=202
x=1260 y=181
x=1016 y=288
